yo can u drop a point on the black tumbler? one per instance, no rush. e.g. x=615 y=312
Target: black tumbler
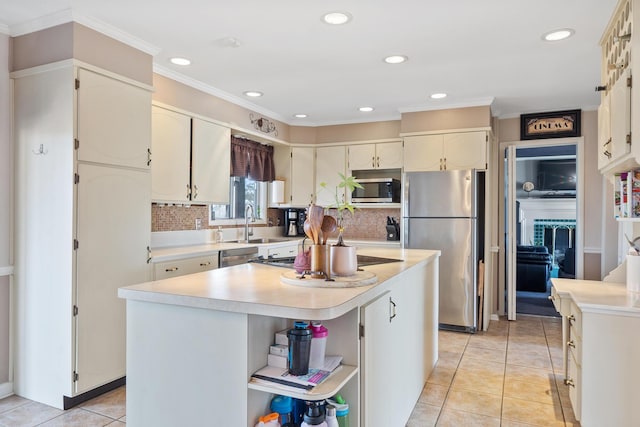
x=299 y=348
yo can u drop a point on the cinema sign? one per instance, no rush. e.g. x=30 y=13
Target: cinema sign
x=557 y=124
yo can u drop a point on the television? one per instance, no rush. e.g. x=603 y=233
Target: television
x=557 y=175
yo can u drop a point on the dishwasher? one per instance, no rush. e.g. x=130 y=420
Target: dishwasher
x=235 y=256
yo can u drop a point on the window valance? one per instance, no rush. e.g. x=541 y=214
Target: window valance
x=252 y=159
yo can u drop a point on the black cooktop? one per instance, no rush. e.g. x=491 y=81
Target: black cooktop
x=363 y=261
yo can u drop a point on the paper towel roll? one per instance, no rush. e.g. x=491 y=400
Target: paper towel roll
x=277 y=192
x=633 y=273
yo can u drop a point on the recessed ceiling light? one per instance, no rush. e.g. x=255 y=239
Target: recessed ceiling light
x=300 y=116
x=365 y=109
x=395 y=59
x=253 y=93
x=555 y=35
x=337 y=18
x=180 y=61
x=438 y=95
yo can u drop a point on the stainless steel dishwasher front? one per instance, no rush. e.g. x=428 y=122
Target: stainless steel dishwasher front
x=235 y=256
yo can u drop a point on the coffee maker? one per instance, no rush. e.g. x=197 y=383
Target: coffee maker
x=294 y=222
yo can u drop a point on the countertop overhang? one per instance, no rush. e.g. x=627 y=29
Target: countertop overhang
x=600 y=297
x=256 y=288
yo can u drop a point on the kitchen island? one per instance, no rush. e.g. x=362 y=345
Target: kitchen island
x=194 y=341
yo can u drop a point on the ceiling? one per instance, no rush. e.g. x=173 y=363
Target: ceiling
x=479 y=52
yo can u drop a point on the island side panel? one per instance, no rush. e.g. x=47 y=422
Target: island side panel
x=185 y=366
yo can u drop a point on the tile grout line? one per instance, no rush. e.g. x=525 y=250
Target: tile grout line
x=444 y=401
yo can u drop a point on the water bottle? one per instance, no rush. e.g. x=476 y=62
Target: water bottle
x=314 y=416
x=283 y=405
x=342 y=410
x=318 y=345
x=219 y=235
x=330 y=418
x=299 y=348
x=270 y=420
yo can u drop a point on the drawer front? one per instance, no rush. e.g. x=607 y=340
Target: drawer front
x=574 y=346
x=573 y=382
x=165 y=270
x=283 y=251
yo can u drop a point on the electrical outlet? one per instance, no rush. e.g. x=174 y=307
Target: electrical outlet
x=198 y=223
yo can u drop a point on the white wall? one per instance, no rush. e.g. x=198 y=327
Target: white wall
x=6 y=180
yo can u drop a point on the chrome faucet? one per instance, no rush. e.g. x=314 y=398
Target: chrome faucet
x=248 y=233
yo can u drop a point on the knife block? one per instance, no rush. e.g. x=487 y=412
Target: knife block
x=392 y=232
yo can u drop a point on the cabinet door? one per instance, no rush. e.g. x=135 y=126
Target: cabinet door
x=620 y=118
x=164 y=270
x=210 y=162
x=377 y=367
x=170 y=156
x=422 y=153
x=389 y=155
x=113 y=233
x=466 y=150
x=114 y=121
x=302 y=176
x=604 y=131
x=362 y=156
x=330 y=162
x=282 y=162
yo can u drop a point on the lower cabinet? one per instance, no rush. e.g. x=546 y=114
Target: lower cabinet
x=164 y=270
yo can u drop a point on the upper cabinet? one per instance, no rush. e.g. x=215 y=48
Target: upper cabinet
x=302 y=176
x=453 y=151
x=330 y=163
x=616 y=129
x=114 y=131
x=385 y=155
x=190 y=159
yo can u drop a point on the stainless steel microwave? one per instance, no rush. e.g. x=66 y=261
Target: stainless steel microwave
x=377 y=190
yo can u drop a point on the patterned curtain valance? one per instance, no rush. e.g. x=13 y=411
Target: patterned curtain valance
x=252 y=159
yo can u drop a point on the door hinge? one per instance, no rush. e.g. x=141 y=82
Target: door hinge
x=629 y=138
x=75 y=310
x=77 y=84
x=629 y=81
x=76 y=178
x=486 y=138
x=76 y=244
x=76 y=143
x=361 y=330
x=75 y=376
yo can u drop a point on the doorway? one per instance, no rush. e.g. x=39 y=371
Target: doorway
x=542 y=221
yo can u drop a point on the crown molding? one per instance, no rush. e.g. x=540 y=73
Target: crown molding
x=480 y=102
x=46 y=21
x=117 y=34
x=197 y=84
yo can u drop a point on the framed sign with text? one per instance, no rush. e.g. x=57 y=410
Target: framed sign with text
x=556 y=124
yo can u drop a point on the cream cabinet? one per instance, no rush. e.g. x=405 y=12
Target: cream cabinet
x=601 y=341
x=82 y=227
x=330 y=163
x=302 y=176
x=181 y=267
x=453 y=151
x=614 y=122
x=190 y=159
x=384 y=155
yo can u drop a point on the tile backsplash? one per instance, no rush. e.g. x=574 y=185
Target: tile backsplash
x=363 y=224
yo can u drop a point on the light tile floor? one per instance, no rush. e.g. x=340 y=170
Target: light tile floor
x=509 y=376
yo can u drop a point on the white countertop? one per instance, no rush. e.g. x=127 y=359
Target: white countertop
x=603 y=297
x=256 y=289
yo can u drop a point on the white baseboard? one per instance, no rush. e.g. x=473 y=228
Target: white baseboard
x=6 y=389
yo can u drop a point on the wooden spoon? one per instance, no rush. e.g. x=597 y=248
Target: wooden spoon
x=307 y=230
x=329 y=225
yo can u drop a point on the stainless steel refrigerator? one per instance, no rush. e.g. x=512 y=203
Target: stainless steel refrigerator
x=443 y=210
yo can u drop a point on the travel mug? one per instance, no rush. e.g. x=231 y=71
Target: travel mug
x=299 y=348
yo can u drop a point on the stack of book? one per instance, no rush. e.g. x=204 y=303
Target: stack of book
x=626 y=194
x=281 y=378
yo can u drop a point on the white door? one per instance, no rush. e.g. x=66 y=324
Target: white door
x=466 y=150
x=114 y=119
x=423 y=153
x=170 y=156
x=362 y=156
x=330 y=162
x=302 y=176
x=620 y=105
x=113 y=233
x=210 y=163
x=377 y=363
x=389 y=155
x=510 y=232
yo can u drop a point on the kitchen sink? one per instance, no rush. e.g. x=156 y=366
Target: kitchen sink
x=263 y=240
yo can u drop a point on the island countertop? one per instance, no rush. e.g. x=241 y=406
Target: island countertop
x=256 y=288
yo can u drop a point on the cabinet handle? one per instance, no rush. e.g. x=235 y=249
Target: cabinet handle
x=195 y=192
x=392 y=309
x=445 y=163
x=571 y=344
x=571 y=318
x=148 y=156
x=148 y=254
x=551 y=298
x=171 y=269
x=378 y=161
x=204 y=264
x=373 y=162
x=188 y=192
x=569 y=382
